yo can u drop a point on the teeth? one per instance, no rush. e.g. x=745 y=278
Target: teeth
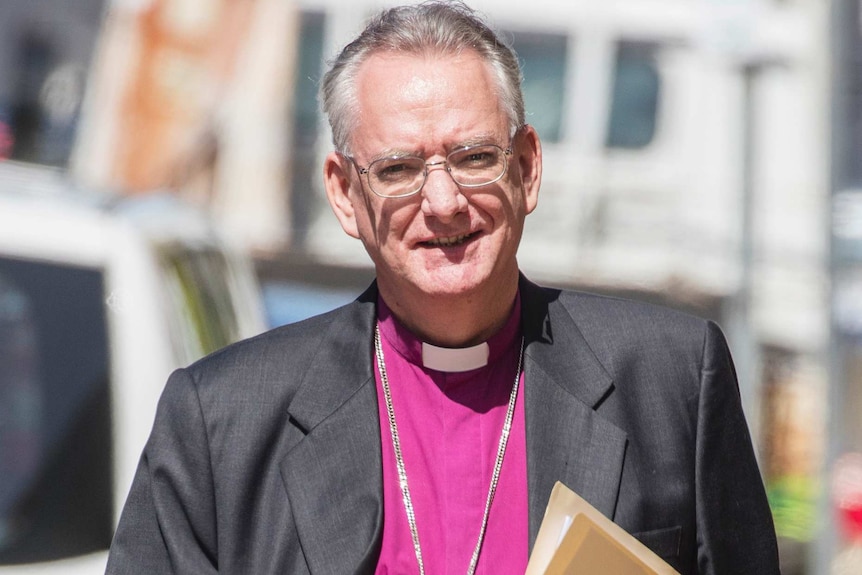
x=451 y=241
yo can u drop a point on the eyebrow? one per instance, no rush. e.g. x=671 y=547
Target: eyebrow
x=477 y=140
x=393 y=153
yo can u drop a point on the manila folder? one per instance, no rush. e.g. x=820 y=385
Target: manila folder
x=576 y=539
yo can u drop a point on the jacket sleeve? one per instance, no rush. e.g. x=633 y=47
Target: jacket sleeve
x=735 y=533
x=168 y=524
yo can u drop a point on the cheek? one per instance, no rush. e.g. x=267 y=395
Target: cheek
x=366 y=217
x=504 y=209
x=398 y=221
x=383 y=225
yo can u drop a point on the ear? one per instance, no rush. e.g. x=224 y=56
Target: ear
x=529 y=158
x=337 y=178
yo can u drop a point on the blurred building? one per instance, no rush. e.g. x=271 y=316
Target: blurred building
x=690 y=158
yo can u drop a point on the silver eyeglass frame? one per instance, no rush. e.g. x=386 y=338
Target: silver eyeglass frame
x=365 y=171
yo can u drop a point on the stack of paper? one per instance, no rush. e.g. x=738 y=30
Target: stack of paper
x=576 y=539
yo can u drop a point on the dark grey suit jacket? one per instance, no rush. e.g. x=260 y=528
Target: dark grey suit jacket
x=265 y=457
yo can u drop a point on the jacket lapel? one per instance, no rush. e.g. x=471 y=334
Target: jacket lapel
x=333 y=475
x=567 y=440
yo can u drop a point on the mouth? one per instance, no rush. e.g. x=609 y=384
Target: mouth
x=448 y=241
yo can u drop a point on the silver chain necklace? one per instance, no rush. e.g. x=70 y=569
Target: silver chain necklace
x=402 y=472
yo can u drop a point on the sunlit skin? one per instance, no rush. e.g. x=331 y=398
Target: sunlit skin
x=445 y=258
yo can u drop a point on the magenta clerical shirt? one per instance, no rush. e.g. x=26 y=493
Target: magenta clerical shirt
x=450 y=425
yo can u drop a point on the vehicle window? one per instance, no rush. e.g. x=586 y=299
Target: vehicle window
x=56 y=493
x=636 y=92
x=201 y=310
x=543 y=59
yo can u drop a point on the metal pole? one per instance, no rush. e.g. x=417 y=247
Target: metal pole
x=843 y=19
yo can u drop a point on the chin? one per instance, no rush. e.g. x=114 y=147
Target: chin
x=445 y=283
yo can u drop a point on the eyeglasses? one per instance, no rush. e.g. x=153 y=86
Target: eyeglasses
x=402 y=176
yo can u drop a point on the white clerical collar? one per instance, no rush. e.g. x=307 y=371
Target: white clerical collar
x=454 y=359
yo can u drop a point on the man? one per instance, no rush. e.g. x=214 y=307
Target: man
x=422 y=427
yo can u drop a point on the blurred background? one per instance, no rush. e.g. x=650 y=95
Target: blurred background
x=160 y=196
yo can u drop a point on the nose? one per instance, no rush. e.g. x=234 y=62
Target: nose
x=441 y=196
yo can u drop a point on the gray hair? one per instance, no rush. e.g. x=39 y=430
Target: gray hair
x=437 y=27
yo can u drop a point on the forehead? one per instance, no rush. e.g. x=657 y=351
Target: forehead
x=410 y=102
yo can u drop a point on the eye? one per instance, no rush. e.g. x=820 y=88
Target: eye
x=396 y=169
x=474 y=159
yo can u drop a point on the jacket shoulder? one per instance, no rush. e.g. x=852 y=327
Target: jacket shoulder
x=281 y=355
x=622 y=332
x=628 y=314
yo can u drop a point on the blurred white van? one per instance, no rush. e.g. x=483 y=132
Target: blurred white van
x=100 y=299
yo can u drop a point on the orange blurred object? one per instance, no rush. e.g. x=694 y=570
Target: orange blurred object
x=184 y=61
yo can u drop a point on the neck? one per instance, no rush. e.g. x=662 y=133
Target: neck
x=456 y=320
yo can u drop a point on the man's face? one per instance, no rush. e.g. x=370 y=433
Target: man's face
x=445 y=240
